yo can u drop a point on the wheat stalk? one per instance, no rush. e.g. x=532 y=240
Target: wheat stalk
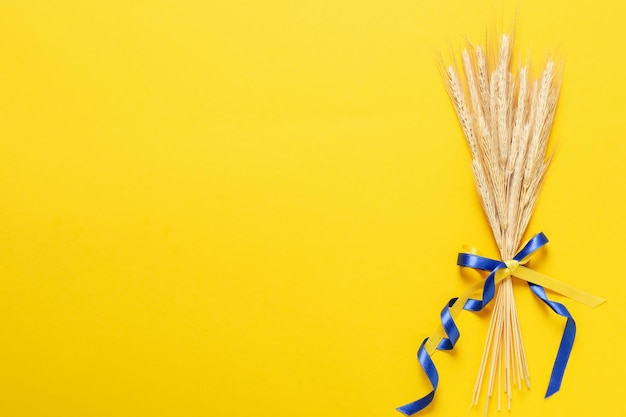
x=506 y=117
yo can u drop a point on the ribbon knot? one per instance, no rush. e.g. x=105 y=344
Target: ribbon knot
x=447 y=334
x=511 y=266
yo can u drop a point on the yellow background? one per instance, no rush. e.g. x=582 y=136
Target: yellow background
x=254 y=207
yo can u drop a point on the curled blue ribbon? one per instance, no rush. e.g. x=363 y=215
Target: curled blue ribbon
x=452 y=331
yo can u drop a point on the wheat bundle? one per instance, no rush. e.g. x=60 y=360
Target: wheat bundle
x=506 y=117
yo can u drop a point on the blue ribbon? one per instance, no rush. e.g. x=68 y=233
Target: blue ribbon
x=452 y=331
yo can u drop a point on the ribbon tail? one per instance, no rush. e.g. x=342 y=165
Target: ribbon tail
x=567 y=340
x=562 y=288
x=562 y=357
x=433 y=376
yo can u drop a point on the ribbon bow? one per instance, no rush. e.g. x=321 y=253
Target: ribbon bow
x=499 y=270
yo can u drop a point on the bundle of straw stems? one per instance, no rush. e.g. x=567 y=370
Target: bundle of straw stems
x=507 y=118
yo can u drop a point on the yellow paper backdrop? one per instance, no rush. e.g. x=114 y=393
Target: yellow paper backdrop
x=253 y=208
